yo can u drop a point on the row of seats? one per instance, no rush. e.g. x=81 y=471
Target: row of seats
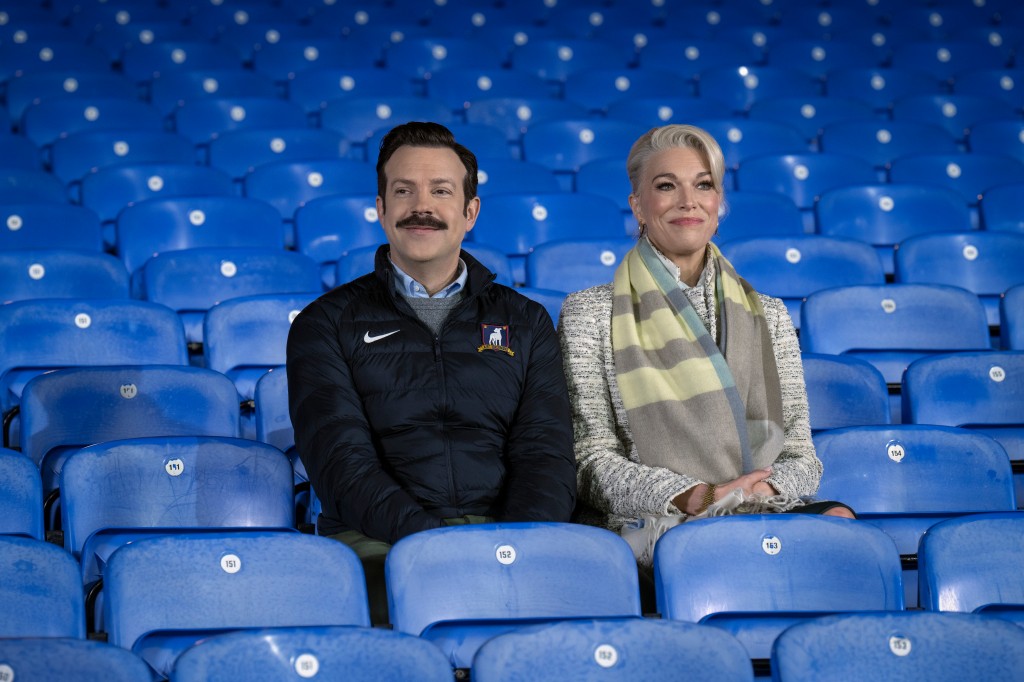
x=751 y=576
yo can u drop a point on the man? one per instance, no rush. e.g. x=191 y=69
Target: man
x=424 y=394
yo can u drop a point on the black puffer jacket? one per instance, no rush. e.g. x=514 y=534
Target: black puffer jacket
x=399 y=429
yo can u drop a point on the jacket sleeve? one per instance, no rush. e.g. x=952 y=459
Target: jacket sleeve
x=334 y=439
x=540 y=480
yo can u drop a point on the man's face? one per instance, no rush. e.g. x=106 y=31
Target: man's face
x=426 y=215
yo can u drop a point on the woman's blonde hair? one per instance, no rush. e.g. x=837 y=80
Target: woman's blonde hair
x=674 y=136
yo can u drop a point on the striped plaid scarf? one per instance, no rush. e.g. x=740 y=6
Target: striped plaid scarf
x=713 y=412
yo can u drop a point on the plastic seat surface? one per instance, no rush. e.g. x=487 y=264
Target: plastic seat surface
x=803 y=177
x=44 y=225
x=568 y=144
x=78 y=154
x=574 y=264
x=206 y=119
x=57 y=117
x=880 y=142
x=61 y=273
x=40 y=659
x=844 y=391
x=1011 y=319
x=108 y=191
x=742 y=138
x=41 y=590
x=759 y=214
x=21 y=496
x=290 y=185
x=172 y=89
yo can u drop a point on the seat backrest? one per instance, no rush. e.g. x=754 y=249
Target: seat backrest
x=810 y=113
x=956 y=113
x=908 y=645
x=551 y=299
x=25 y=89
x=61 y=273
x=516 y=115
x=46 y=121
x=965 y=389
x=146 y=61
x=174 y=482
x=286 y=59
x=759 y=214
x=328 y=226
x=289 y=185
x=617 y=650
x=151 y=227
x=420 y=57
x=273 y=420
x=26 y=185
x=943 y=59
x=71 y=660
x=882 y=141
x=910 y=468
x=1011 y=319
x=554 y=59
x=742 y=138
x=357 y=118
x=597 y=89
x=986 y=263
x=238 y=152
x=517 y=222
x=250 y=331
x=459 y=86
x=999 y=136
x=74 y=156
x=470 y=573
x=313 y=88
x=844 y=391
x=574 y=264
x=971 y=562
x=1002 y=207
x=205 y=119
x=880 y=86
x=803 y=177
x=86 y=332
x=109 y=190
x=173 y=88
x=969 y=174
x=351 y=653
x=740 y=87
x=504 y=175
x=40 y=589
x=216 y=582
x=492 y=258
x=775 y=563
x=565 y=145
x=21 y=496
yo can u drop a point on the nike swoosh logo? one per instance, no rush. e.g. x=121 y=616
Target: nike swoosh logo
x=370 y=339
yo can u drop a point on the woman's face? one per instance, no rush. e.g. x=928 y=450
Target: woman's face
x=678 y=201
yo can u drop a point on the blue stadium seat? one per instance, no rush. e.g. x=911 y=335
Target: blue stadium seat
x=835 y=19
x=1004 y=84
x=208 y=583
x=273 y=426
x=607 y=177
x=657 y=110
x=289 y=185
x=999 y=136
x=742 y=138
x=844 y=391
x=517 y=115
x=793 y=267
x=55 y=117
x=756 y=214
x=283 y=61
x=246 y=336
x=554 y=59
x=755 y=575
x=147 y=61
x=19 y=185
x=880 y=87
x=359 y=117
x=50 y=54
x=566 y=145
x=970 y=565
x=66 y=410
x=83 y=332
x=982 y=391
x=115 y=38
x=904 y=479
x=910 y=645
x=551 y=300
x=486 y=141
x=41 y=225
x=74 y=156
x=420 y=58
x=882 y=141
x=202 y=120
x=329 y=226
x=510 y=29
x=313 y=88
x=192 y=281
x=985 y=263
x=713 y=19
x=688 y=56
x=939 y=22
x=61 y=273
x=955 y=112
x=883 y=215
x=492 y=258
x=574 y=264
x=173 y=89
x=1002 y=207
x=18 y=152
x=353 y=653
x=239 y=152
x=614 y=649
x=594 y=20
x=969 y=174
x=151 y=227
x=72 y=660
x=513 y=176
x=892 y=325
x=597 y=89
x=458 y=87
x=740 y=87
x=30 y=88
x=447 y=585
x=40 y=589
x=944 y=59
x=819 y=57
x=355 y=263
x=803 y=177
x=1011 y=319
x=21 y=501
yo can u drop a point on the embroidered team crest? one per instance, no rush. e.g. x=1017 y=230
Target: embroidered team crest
x=495 y=337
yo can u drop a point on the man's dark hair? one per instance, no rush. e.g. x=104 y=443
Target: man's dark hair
x=424 y=134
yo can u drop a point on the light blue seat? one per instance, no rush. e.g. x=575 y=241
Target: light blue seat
x=613 y=649
x=48 y=120
x=147 y=61
x=574 y=264
x=999 y=136
x=313 y=88
x=880 y=142
x=289 y=185
x=878 y=86
x=21 y=501
x=598 y=88
x=739 y=87
x=549 y=298
x=108 y=191
x=239 y=152
x=517 y=115
x=803 y=177
x=757 y=214
x=985 y=263
x=1011 y=319
x=78 y=154
x=61 y=273
x=755 y=575
x=956 y=113
x=353 y=653
x=844 y=391
x=40 y=590
x=202 y=120
x=971 y=564
x=208 y=586
x=151 y=227
x=912 y=645
x=37 y=659
x=359 y=117
x=742 y=138
x=192 y=281
x=451 y=586
x=328 y=227
x=246 y=336
x=883 y=215
x=906 y=478
x=173 y=89
x=44 y=225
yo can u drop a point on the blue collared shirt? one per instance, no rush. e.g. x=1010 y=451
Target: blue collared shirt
x=407 y=286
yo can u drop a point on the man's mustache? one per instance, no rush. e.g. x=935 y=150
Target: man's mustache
x=422 y=220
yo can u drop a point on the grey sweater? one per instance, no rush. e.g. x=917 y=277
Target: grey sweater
x=610 y=477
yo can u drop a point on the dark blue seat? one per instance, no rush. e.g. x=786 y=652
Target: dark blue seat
x=1002 y=207
x=1011 y=319
x=55 y=117
x=458 y=87
x=148 y=61
x=1004 y=84
x=844 y=391
x=283 y=61
x=504 y=176
x=565 y=145
x=29 y=88
x=957 y=113
x=517 y=115
x=289 y=185
x=742 y=138
x=998 y=136
x=819 y=57
x=597 y=89
x=173 y=89
x=359 y=117
x=549 y=298
x=757 y=214
x=688 y=56
x=669 y=107
x=944 y=58
x=419 y=58
x=41 y=225
x=878 y=86
x=739 y=87
x=328 y=227
x=554 y=59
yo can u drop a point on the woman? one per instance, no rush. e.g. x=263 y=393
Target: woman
x=686 y=384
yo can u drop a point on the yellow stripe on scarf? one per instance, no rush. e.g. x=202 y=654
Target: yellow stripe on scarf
x=647 y=384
